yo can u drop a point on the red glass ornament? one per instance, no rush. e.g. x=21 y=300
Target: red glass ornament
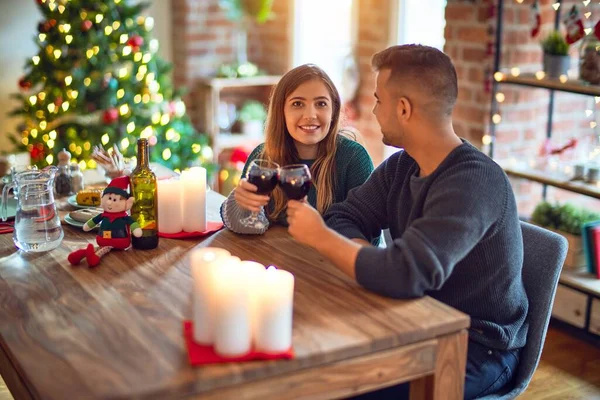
x=110 y=116
x=86 y=25
x=135 y=41
x=24 y=84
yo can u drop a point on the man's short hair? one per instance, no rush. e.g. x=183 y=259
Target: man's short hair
x=423 y=67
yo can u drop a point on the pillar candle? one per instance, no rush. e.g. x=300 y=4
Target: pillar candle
x=203 y=264
x=232 y=327
x=194 y=199
x=170 y=215
x=275 y=308
x=254 y=272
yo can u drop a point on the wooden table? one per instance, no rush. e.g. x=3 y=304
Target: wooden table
x=116 y=331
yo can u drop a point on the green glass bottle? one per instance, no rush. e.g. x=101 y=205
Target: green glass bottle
x=145 y=206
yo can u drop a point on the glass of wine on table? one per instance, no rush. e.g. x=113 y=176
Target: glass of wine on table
x=295 y=181
x=263 y=174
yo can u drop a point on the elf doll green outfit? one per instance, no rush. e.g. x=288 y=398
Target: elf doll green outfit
x=115 y=224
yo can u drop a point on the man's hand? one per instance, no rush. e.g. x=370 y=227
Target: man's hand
x=306 y=224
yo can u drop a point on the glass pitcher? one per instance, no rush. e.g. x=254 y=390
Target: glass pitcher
x=37 y=225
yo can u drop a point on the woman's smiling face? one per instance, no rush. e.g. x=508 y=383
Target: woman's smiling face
x=308 y=112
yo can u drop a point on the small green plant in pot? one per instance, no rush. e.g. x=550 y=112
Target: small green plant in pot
x=567 y=220
x=252 y=116
x=556 y=55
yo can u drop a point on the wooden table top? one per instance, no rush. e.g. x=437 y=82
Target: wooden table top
x=116 y=331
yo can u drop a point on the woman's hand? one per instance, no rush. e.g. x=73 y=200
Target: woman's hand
x=245 y=196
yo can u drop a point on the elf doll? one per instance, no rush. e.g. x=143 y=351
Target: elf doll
x=115 y=224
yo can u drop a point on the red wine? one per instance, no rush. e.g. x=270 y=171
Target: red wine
x=296 y=190
x=265 y=181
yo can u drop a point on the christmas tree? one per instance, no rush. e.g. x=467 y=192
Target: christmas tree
x=97 y=80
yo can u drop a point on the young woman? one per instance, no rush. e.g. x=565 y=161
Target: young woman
x=302 y=127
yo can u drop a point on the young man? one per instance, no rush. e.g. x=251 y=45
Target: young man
x=449 y=208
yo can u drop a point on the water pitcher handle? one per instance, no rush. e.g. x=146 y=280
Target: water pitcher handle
x=3 y=211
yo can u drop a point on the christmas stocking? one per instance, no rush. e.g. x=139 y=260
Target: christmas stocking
x=597 y=30
x=574 y=25
x=536 y=19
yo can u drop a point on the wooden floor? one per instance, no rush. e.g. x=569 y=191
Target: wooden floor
x=569 y=370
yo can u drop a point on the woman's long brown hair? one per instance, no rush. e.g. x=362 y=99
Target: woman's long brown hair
x=279 y=144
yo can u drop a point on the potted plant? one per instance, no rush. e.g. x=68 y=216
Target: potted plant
x=556 y=55
x=566 y=220
x=252 y=116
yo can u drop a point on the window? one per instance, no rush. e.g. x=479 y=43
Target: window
x=422 y=21
x=324 y=35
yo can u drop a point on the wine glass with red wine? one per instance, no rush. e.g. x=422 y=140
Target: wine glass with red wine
x=263 y=174
x=295 y=181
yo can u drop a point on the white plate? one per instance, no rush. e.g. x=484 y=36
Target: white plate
x=73 y=222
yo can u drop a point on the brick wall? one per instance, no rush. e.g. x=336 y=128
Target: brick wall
x=204 y=39
x=468 y=37
x=373 y=36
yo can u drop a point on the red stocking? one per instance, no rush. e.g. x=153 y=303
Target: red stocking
x=536 y=19
x=574 y=25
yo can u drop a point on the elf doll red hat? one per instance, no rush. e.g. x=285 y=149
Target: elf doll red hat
x=115 y=224
x=119 y=185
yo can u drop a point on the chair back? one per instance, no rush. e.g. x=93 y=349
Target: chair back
x=544 y=253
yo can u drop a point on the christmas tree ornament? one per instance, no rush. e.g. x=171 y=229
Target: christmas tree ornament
x=135 y=42
x=86 y=25
x=115 y=224
x=574 y=24
x=110 y=116
x=24 y=84
x=37 y=152
x=536 y=18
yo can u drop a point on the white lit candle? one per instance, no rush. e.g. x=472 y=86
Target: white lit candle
x=254 y=273
x=232 y=326
x=275 y=310
x=170 y=216
x=203 y=264
x=194 y=199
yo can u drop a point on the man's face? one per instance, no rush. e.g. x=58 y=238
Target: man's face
x=385 y=110
x=112 y=202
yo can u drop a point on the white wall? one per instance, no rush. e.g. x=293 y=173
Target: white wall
x=18 y=27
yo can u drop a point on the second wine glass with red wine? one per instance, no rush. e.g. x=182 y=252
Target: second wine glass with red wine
x=295 y=181
x=262 y=174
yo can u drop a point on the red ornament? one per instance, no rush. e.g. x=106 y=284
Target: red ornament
x=172 y=108
x=58 y=101
x=86 y=25
x=110 y=116
x=136 y=41
x=40 y=2
x=24 y=84
x=37 y=152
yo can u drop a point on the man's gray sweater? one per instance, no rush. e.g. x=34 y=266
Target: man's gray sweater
x=457 y=238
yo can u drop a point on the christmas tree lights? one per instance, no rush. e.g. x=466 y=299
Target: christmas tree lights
x=97 y=79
